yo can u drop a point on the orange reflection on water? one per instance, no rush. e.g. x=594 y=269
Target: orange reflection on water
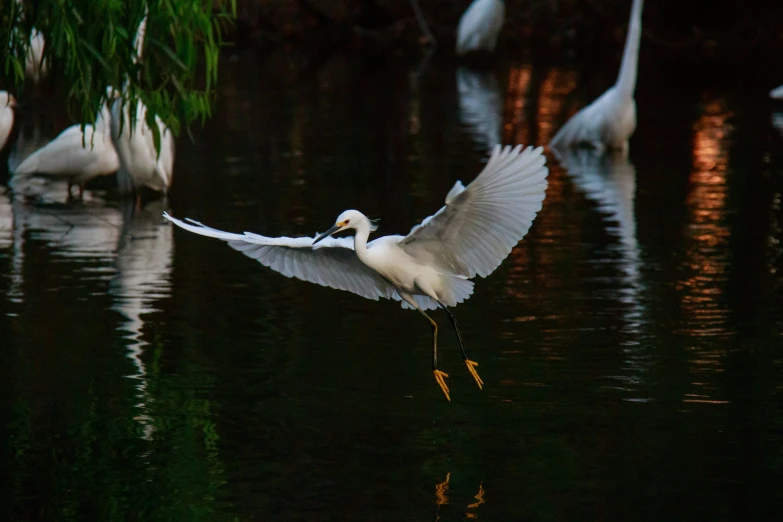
x=557 y=85
x=708 y=231
x=479 y=500
x=706 y=260
x=516 y=100
x=442 y=491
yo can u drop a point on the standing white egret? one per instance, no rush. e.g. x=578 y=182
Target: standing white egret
x=75 y=155
x=7 y=104
x=432 y=266
x=141 y=164
x=35 y=65
x=610 y=120
x=480 y=26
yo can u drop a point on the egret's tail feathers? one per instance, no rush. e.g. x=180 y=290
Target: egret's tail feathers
x=457 y=291
x=28 y=167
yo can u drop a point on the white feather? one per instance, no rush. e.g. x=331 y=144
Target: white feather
x=480 y=26
x=610 y=120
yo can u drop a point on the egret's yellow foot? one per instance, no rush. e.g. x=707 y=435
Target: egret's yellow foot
x=472 y=369
x=439 y=376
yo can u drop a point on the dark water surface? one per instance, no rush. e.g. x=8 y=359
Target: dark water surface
x=631 y=345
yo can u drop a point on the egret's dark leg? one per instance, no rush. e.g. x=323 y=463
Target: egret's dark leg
x=470 y=364
x=439 y=375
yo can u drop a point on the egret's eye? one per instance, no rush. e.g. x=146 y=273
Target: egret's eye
x=347 y=221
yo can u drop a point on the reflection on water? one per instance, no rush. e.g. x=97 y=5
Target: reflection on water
x=190 y=383
x=705 y=271
x=480 y=106
x=143 y=264
x=610 y=181
x=708 y=231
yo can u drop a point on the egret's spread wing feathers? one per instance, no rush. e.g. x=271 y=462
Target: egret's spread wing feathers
x=480 y=225
x=331 y=262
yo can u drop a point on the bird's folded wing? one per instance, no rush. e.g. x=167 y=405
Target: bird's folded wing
x=480 y=225
x=332 y=262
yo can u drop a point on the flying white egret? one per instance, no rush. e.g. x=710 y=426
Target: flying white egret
x=432 y=266
x=610 y=120
x=75 y=155
x=777 y=93
x=480 y=26
x=141 y=164
x=7 y=104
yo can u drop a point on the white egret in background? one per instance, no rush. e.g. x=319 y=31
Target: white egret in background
x=36 y=67
x=610 y=120
x=433 y=265
x=76 y=155
x=7 y=104
x=480 y=26
x=777 y=93
x=142 y=165
x=480 y=106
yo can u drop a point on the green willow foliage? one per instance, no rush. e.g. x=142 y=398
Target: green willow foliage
x=89 y=46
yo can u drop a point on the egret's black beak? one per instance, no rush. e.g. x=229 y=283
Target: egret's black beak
x=327 y=233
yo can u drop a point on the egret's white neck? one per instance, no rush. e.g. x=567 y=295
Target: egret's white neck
x=626 y=79
x=360 y=238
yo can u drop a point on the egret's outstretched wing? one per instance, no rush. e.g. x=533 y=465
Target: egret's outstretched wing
x=332 y=262
x=480 y=225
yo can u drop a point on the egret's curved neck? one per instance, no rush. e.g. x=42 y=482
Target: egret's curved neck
x=360 y=239
x=626 y=79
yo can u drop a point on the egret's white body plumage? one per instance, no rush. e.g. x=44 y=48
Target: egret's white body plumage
x=35 y=65
x=7 y=103
x=610 y=120
x=469 y=236
x=141 y=164
x=777 y=93
x=75 y=155
x=480 y=26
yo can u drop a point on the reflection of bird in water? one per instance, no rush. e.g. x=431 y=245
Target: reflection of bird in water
x=610 y=181
x=75 y=155
x=777 y=93
x=144 y=255
x=12 y=237
x=777 y=121
x=79 y=232
x=442 y=498
x=480 y=106
x=7 y=104
x=610 y=120
x=432 y=266
x=480 y=26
